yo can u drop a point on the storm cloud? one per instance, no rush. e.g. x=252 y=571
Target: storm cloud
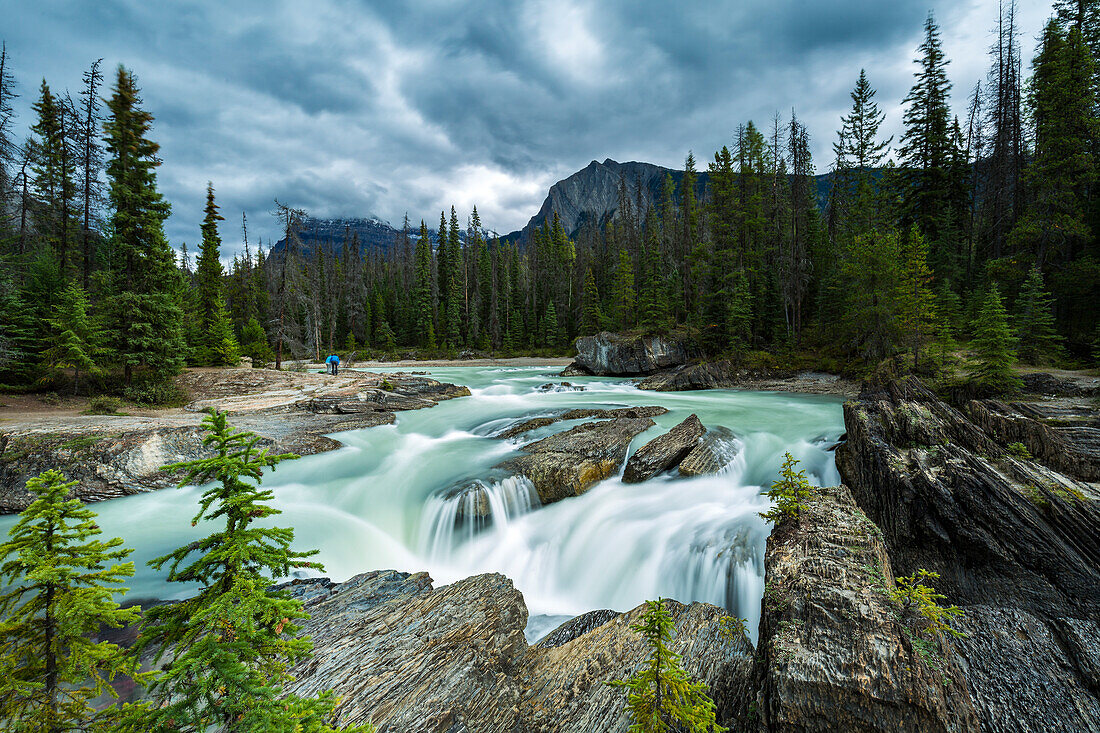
x=381 y=108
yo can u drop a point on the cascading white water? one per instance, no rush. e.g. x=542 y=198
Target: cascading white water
x=423 y=494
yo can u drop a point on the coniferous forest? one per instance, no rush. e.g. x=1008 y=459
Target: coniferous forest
x=973 y=233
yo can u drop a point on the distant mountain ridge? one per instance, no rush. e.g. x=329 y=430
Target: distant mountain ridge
x=589 y=197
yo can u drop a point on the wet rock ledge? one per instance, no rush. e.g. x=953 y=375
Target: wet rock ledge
x=115 y=456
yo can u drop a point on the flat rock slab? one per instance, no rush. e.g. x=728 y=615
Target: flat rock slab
x=569 y=463
x=726 y=375
x=292 y=412
x=585 y=413
x=664 y=452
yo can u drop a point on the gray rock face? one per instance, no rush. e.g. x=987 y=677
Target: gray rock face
x=725 y=375
x=611 y=354
x=1016 y=544
x=664 y=452
x=711 y=454
x=569 y=463
x=408 y=657
x=835 y=653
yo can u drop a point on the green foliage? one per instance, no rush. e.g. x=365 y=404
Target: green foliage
x=868 y=296
x=623 y=298
x=915 y=596
x=61 y=582
x=75 y=342
x=230 y=646
x=143 y=316
x=591 y=316
x=915 y=302
x=103 y=405
x=790 y=493
x=661 y=696
x=994 y=347
x=1019 y=450
x=154 y=394
x=254 y=343
x=216 y=344
x=733 y=628
x=1039 y=342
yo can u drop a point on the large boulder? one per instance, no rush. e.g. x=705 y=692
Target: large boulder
x=664 y=452
x=569 y=463
x=712 y=453
x=580 y=413
x=1015 y=542
x=408 y=657
x=835 y=653
x=611 y=354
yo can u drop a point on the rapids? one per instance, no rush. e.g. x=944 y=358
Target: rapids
x=393 y=498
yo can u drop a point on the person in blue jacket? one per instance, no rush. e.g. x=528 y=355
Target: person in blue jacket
x=333 y=363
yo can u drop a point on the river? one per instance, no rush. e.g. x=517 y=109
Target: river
x=387 y=500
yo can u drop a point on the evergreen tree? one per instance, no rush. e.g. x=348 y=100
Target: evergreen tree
x=994 y=347
x=859 y=152
x=76 y=340
x=869 y=270
x=455 y=284
x=230 y=646
x=926 y=152
x=591 y=318
x=1062 y=98
x=217 y=345
x=553 y=335
x=653 y=308
x=52 y=161
x=61 y=583
x=144 y=318
x=425 y=331
x=254 y=343
x=662 y=696
x=623 y=297
x=916 y=303
x=1039 y=342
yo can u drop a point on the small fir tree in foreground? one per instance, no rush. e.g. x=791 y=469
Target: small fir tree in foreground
x=790 y=493
x=994 y=347
x=230 y=646
x=914 y=596
x=62 y=582
x=662 y=696
x=1039 y=342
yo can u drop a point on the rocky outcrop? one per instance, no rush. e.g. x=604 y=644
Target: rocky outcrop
x=118 y=455
x=1063 y=434
x=610 y=354
x=835 y=652
x=569 y=463
x=408 y=657
x=725 y=375
x=583 y=413
x=711 y=454
x=1015 y=542
x=664 y=452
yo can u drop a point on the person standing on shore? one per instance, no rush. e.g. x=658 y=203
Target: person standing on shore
x=333 y=363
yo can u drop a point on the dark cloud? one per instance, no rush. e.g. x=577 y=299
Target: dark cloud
x=359 y=108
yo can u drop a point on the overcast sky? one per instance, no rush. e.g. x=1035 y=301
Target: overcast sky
x=377 y=108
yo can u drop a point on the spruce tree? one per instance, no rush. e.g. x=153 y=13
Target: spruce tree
x=254 y=343
x=425 y=331
x=144 y=318
x=1039 y=342
x=61 y=581
x=994 y=347
x=591 y=317
x=230 y=646
x=76 y=339
x=217 y=344
x=623 y=298
x=916 y=303
x=662 y=696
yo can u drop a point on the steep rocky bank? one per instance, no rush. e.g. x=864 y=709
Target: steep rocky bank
x=1015 y=540
x=612 y=354
x=726 y=375
x=118 y=455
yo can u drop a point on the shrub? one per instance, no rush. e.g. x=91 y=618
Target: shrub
x=790 y=493
x=155 y=394
x=1019 y=450
x=915 y=596
x=103 y=405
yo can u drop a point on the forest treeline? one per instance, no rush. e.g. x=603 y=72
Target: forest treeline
x=975 y=227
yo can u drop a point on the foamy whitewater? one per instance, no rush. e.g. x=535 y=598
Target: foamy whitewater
x=398 y=496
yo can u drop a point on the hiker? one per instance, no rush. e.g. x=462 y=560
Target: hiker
x=333 y=363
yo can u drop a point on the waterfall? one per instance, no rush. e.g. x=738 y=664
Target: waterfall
x=458 y=513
